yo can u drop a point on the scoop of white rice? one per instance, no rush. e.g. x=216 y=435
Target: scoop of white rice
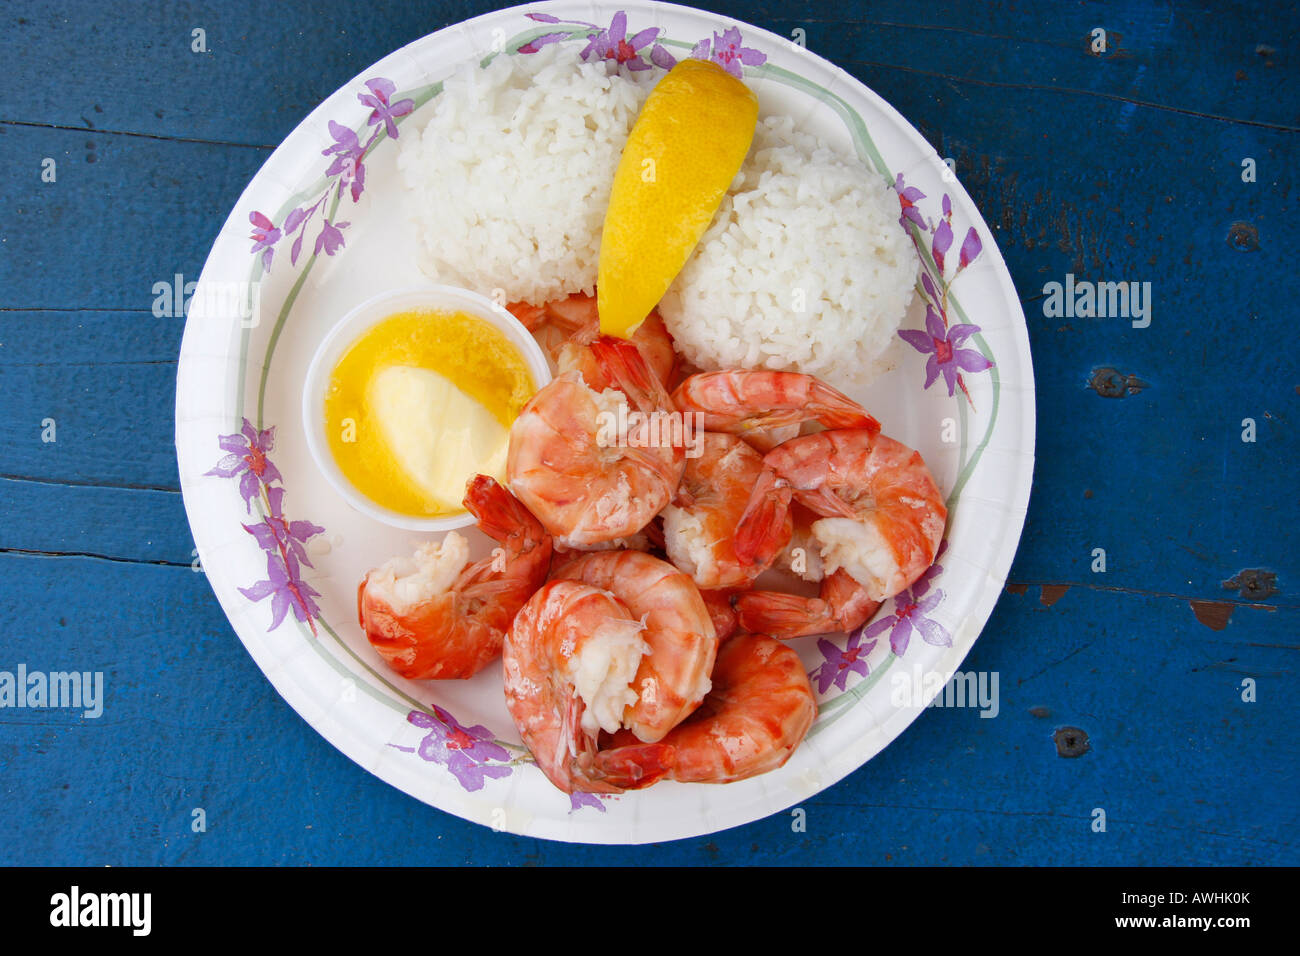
x=511 y=174
x=804 y=267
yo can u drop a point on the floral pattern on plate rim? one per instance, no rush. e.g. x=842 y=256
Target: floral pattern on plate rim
x=347 y=171
x=940 y=341
x=613 y=43
x=469 y=753
x=283 y=541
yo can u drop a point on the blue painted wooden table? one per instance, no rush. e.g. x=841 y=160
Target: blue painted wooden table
x=1148 y=629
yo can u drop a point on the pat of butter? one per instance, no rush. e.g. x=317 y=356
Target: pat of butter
x=438 y=435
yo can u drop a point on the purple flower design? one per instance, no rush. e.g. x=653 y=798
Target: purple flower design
x=610 y=43
x=661 y=58
x=347 y=166
x=907 y=198
x=839 y=663
x=276 y=529
x=927 y=284
x=346 y=169
x=911 y=609
x=466 y=751
x=938 y=340
x=613 y=43
x=942 y=242
x=247 y=458
x=532 y=46
x=264 y=237
x=578 y=800
x=284 y=541
x=943 y=347
x=287 y=590
x=382 y=110
x=911 y=613
x=726 y=50
x=330 y=238
x=971 y=247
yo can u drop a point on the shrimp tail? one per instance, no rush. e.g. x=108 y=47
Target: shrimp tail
x=765 y=527
x=500 y=514
x=530 y=316
x=635 y=766
x=623 y=362
x=843 y=605
x=485 y=585
x=836 y=410
x=783 y=616
x=848 y=600
x=825 y=502
x=592 y=770
x=575 y=313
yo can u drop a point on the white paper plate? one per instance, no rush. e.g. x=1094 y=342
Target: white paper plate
x=284 y=553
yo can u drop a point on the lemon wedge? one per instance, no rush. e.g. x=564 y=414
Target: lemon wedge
x=684 y=150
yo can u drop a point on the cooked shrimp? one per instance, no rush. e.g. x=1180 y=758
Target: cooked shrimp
x=762 y=406
x=673 y=677
x=882 y=513
x=704 y=533
x=842 y=605
x=759 y=710
x=596 y=466
x=570 y=658
x=566 y=327
x=431 y=616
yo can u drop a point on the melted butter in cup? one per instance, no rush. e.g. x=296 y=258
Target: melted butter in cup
x=431 y=395
x=413 y=400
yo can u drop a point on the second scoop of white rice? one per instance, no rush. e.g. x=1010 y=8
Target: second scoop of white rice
x=805 y=266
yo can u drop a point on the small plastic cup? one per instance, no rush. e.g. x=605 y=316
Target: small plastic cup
x=355 y=324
